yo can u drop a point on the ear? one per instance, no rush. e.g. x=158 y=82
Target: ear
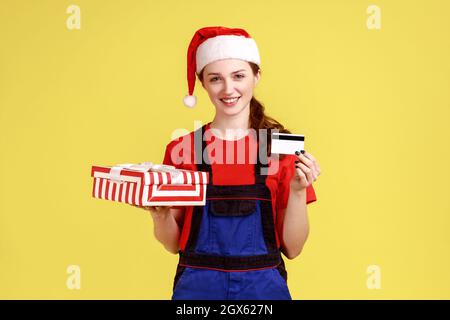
x=258 y=77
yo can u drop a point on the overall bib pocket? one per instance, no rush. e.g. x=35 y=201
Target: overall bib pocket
x=232 y=226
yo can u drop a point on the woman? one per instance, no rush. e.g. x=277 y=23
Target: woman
x=230 y=248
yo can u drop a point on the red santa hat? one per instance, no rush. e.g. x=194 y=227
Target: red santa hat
x=216 y=43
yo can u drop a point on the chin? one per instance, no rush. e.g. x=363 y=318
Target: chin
x=232 y=111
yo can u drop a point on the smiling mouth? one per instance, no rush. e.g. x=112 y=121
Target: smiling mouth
x=230 y=101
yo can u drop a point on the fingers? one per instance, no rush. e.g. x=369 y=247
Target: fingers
x=316 y=164
x=310 y=162
x=304 y=172
x=146 y=208
x=300 y=173
x=159 y=210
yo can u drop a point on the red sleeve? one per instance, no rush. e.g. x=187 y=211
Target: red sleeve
x=179 y=153
x=287 y=171
x=167 y=158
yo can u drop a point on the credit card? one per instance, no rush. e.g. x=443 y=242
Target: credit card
x=287 y=143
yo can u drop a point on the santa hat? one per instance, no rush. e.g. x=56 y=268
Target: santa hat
x=216 y=43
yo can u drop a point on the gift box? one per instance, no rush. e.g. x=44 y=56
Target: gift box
x=148 y=184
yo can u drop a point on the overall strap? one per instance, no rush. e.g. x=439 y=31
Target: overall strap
x=260 y=177
x=199 y=147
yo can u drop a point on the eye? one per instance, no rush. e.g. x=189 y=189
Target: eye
x=240 y=76
x=214 y=79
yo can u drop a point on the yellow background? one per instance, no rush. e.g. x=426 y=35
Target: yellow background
x=373 y=105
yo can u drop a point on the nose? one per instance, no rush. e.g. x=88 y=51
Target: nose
x=228 y=87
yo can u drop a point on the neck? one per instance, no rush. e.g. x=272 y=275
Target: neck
x=231 y=127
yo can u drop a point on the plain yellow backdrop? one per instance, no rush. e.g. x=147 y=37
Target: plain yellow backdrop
x=373 y=104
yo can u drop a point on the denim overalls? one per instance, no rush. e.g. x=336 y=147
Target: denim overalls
x=231 y=252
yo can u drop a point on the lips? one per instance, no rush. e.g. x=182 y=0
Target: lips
x=230 y=101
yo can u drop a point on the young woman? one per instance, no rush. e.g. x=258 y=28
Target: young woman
x=231 y=247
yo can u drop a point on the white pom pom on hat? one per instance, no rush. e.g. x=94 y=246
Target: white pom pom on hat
x=190 y=101
x=210 y=44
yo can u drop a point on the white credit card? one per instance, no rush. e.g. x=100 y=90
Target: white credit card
x=286 y=143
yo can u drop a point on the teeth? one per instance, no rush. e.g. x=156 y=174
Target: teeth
x=230 y=100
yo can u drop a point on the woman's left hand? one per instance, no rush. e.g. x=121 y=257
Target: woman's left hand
x=306 y=171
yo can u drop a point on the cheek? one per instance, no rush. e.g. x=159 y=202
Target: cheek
x=213 y=91
x=247 y=89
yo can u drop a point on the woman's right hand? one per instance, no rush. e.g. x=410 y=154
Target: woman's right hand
x=155 y=210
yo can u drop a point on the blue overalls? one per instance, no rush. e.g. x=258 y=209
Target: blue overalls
x=231 y=252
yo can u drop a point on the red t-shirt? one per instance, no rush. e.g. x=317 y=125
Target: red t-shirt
x=232 y=168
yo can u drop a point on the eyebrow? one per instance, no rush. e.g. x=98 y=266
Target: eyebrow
x=215 y=73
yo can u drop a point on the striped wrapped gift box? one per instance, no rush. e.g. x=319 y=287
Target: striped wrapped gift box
x=148 y=184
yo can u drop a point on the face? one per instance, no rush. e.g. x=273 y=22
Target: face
x=228 y=79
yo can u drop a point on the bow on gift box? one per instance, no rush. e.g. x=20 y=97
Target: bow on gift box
x=141 y=167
